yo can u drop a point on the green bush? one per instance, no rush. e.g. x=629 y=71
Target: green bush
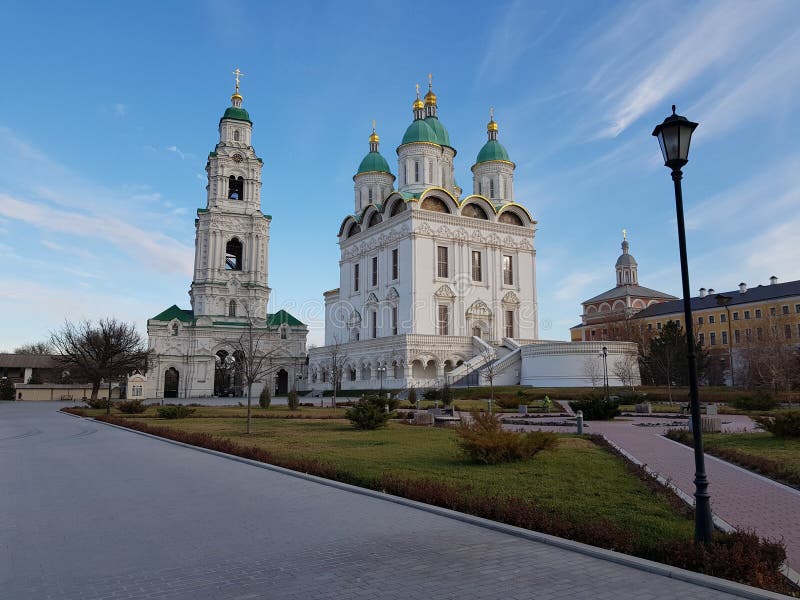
x=97 y=403
x=369 y=413
x=264 y=399
x=172 y=411
x=485 y=441
x=131 y=407
x=783 y=424
x=596 y=408
x=7 y=389
x=759 y=400
x=293 y=400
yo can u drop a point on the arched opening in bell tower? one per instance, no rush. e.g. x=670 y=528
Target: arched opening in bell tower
x=235 y=188
x=233 y=255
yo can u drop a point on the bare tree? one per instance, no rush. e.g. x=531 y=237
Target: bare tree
x=770 y=358
x=254 y=352
x=488 y=370
x=626 y=369
x=111 y=349
x=337 y=357
x=36 y=348
x=592 y=370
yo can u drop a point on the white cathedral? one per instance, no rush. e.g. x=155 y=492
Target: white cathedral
x=195 y=350
x=433 y=285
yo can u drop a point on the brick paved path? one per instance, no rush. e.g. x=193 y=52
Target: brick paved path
x=743 y=499
x=89 y=512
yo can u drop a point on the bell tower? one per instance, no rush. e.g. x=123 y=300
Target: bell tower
x=232 y=235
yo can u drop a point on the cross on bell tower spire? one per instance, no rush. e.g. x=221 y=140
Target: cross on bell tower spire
x=236 y=98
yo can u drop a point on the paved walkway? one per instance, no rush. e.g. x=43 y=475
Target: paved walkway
x=743 y=499
x=88 y=511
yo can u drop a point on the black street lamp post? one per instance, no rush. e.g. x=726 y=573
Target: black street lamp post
x=725 y=301
x=674 y=136
x=604 y=354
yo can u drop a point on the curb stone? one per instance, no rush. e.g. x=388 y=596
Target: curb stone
x=707 y=581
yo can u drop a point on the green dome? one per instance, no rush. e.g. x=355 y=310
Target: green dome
x=492 y=150
x=419 y=131
x=442 y=137
x=374 y=161
x=238 y=114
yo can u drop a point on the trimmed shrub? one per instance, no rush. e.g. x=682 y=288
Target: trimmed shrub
x=97 y=403
x=293 y=400
x=7 y=389
x=784 y=424
x=173 y=411
x=596 y=408
x=131 y=407
x=264 y=398
x=485 y=441
x=760 y=400
x=369 y=413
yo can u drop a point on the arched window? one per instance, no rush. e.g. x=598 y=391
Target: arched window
x=233 y=255
x=374 y=219
x=510 y=218
x=474 y=211
x=236 y=136
x=398 y=207
x=232 y=308
x=283 y=332
x=434 y=204
x=353 y=229
x=175 y=329
x=370 y=195
x=480 y=188
x=491 y=188
x=235 y=188
x=416 y=172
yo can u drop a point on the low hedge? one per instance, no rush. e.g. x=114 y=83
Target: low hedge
x=742 y=557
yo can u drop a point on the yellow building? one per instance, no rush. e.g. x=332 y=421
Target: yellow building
x=732 y=323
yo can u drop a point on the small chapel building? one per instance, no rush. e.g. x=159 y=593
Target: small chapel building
x=194 y=350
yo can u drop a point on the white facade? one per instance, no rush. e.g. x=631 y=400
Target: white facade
x=430 y=283
x=194 y=350
x=580 y=364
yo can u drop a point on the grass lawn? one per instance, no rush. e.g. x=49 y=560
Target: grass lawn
x=578 y=478
x=214 y=412
x=785 y=452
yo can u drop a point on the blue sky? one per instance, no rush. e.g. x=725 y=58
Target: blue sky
x=108 y=111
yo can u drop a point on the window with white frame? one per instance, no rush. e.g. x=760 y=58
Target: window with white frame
x=477 y=270
x=444 y=319
x=356 y=274
x=509 y=323
x=136 y=390
x=374 y=323
x=508 y=269
x=416 y=172
x=395 y=263
x=394 y=320
x=442 y=264
x=374 y=271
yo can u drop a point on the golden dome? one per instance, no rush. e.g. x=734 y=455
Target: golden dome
x=491 y=126
x=374 y=137
x=417 y=104
x=236 y=96
x=430 y=98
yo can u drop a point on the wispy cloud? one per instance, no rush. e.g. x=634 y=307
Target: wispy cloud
x=120 y=110
x=178 y=152
x=646 y=69
x=574 y=285
x=521 y=28
x=152 y=248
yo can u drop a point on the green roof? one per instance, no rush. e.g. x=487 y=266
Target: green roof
x=492 y=150
x=173 y=312
x=374 y=161
x=238 y=114
x=419 y=131
x=442 y=137
x=281 y=317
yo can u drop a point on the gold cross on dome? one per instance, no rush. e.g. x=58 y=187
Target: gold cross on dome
x=430 y=81
x=491 y=113
x=624 y=234
x=238 y=74
x=417 y=86
x=373 y=125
